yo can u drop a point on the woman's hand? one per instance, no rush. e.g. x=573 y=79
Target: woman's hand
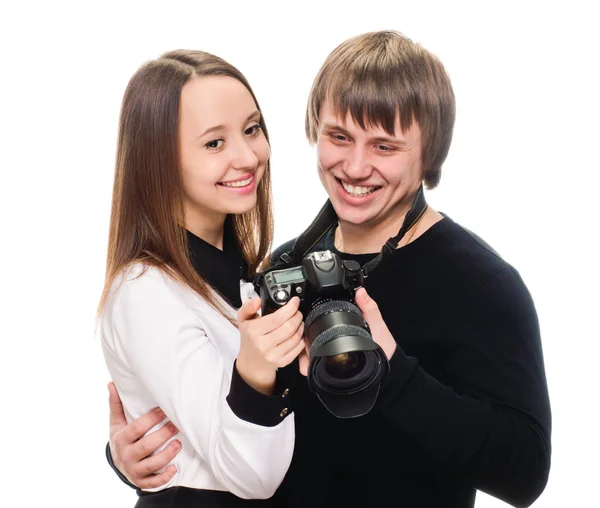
x=268 y=343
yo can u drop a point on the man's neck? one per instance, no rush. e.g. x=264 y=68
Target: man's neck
x=367 y=239
x=363 y=239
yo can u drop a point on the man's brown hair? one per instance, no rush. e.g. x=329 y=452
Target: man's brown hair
x=379 y=75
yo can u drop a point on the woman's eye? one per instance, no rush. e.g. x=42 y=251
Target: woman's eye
x=254 y=129
x=215 y=143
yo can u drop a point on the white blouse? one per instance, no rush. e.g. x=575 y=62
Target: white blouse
x=165 y=346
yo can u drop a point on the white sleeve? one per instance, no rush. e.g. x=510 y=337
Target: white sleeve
x=165 y=343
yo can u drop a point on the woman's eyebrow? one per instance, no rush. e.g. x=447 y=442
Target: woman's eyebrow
x=253 y=116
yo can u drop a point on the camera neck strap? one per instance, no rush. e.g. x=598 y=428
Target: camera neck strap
x=417 y=209
x=327 y=219
x=320 y=226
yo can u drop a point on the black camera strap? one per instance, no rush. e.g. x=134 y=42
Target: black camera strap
x=320 y=226
x=416 y=211
x=327 y=219
x=322 y=223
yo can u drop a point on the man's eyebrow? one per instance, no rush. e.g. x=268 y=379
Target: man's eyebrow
x=335 y=127
x=253 y=116
x=394 y=141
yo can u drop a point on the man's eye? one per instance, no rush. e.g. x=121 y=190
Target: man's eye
x=385 y=148
x=254 y=129
x=339 y=137
x=215 y=143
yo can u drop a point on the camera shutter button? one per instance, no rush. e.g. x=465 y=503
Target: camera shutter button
x=281 y=295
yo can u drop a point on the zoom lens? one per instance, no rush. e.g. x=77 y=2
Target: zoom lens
x=340 y=342
x=345 y=365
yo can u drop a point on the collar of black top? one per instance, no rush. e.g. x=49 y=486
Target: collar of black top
x=221 y=269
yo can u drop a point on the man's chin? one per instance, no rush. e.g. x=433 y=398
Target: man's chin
x=348 y=215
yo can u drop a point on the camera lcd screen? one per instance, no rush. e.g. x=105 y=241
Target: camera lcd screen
x=288 y=275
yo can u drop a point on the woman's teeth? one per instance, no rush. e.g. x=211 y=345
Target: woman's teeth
x=239 y=183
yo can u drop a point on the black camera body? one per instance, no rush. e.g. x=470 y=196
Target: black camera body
x=321 y=275
x=346 y=365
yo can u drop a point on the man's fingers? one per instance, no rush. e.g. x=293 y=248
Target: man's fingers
x=148 y=444
x=117 y=415
x=249 y=309
x=155 y=463
x=368 y=306
x=156 y=480
x=136 y=429
x=303 y=363
x=372 y=315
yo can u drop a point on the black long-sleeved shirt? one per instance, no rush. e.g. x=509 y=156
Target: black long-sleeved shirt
x=465 y=406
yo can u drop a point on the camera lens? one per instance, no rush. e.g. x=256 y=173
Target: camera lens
x=345 y=365
x=342 y=346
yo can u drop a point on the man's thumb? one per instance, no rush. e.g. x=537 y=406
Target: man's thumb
x=365 y=303
x=117 y=415
x=249 y=309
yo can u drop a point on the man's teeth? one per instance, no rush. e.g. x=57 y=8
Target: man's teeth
x=239 y=183
x=356 y=190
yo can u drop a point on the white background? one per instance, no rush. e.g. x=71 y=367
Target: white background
x=522 y=173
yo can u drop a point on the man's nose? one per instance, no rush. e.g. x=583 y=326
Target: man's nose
x=358 y=165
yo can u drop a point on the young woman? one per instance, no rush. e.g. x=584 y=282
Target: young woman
x=190 y=222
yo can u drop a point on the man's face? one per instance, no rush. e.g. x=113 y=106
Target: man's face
x=369 y=175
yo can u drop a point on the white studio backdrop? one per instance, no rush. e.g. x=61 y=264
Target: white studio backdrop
x=522 y=173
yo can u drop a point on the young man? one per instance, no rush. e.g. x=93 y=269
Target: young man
x=465 y=406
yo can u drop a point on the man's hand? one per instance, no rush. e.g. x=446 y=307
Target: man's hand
x=379 y=330
x=304 y=361
x=131 y=450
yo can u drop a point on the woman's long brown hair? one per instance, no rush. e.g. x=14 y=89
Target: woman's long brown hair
x=147 y=216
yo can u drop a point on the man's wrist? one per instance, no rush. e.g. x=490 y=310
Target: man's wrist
x=390 y=350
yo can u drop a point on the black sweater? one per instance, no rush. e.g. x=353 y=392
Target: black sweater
x=466 y=404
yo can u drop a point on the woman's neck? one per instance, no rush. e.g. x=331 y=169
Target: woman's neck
x=211 y=232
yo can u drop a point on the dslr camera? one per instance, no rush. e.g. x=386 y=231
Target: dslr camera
x=346 y=365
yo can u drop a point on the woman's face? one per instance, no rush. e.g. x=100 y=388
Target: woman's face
x=223 y=151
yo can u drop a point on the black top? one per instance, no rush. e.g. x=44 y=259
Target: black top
x=221 y=269
x=465 y=406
